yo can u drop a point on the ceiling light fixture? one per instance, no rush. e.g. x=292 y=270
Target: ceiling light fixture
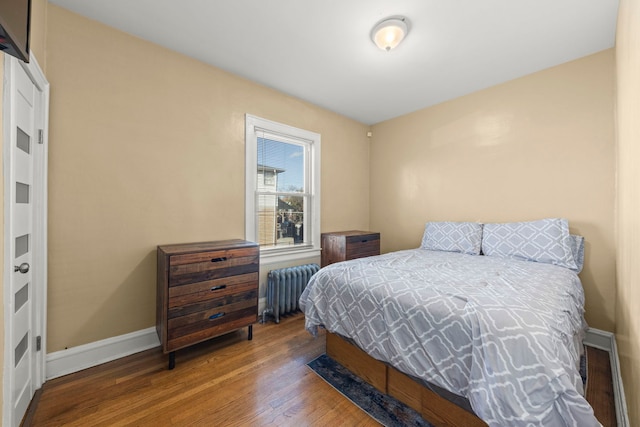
x=388 y=33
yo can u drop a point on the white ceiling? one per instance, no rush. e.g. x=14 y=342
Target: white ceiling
x=320 y=51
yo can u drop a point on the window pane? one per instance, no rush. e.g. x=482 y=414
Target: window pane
x=280 y=220
x=22 y=193
x=22 y=245
x=266 y=210
x=21 y=349
x=21 y=297
x=23 y=141
x=280 y=166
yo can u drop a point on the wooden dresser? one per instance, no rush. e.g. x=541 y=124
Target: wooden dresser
x=204 y=290
x=346 y=245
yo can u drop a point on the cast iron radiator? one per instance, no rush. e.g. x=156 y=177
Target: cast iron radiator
x=284 y=287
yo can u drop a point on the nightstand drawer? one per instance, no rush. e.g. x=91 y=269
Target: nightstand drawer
x=362 y=238
x=362 y=247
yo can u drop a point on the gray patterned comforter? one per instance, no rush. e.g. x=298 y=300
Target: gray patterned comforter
x=505 y=334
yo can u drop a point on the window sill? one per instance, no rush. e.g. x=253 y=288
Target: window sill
x=271 y=257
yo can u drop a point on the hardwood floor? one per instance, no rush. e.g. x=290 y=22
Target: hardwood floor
x=225 y=381
x=599 y=391
x=228 y=381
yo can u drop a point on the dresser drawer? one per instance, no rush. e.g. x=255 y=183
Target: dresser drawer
x=218 y=256
x=202 y=291
x=200 y=267
x=212 y=311
x=233 y=300
x=186 y=330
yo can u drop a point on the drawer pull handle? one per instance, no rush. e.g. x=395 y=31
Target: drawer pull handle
x=217 y=288
x=216 y=316
x=363 y=241
x=223 y=258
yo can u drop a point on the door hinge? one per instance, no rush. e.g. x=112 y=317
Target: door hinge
x=38 y=343
x=40 y=136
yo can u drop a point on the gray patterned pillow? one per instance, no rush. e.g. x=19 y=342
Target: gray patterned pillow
x=546 y=241
x=577 y=248
x=465 y=237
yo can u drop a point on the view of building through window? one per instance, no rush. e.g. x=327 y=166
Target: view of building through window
x=281 y=193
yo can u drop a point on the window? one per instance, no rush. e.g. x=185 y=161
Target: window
x=282 y=189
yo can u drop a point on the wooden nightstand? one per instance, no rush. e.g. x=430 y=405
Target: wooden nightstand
x=346 y=245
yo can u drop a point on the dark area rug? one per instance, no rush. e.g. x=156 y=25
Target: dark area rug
x=384 y=409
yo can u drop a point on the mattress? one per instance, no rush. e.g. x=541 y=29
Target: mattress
x=505 y=334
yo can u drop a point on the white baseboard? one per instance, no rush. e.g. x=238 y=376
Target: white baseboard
x=604 y=340
x=85 y=356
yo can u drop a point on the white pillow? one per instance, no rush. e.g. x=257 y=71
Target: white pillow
x=464 y=237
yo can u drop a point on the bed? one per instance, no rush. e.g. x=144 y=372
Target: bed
x=489 y=313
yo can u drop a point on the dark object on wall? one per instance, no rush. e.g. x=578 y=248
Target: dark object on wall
x=15 y=28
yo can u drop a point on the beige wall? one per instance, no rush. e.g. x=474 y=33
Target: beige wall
x=628 y=202
x=538 y=146
x=38 y=31
x=147 y=148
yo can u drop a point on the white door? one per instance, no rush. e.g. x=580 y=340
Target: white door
x=25 y=188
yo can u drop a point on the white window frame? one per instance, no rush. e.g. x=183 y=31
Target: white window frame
x=253 y=125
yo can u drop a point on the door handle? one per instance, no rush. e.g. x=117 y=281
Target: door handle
x=22 y=268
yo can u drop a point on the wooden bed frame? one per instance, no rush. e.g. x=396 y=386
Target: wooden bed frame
x=433 y=408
